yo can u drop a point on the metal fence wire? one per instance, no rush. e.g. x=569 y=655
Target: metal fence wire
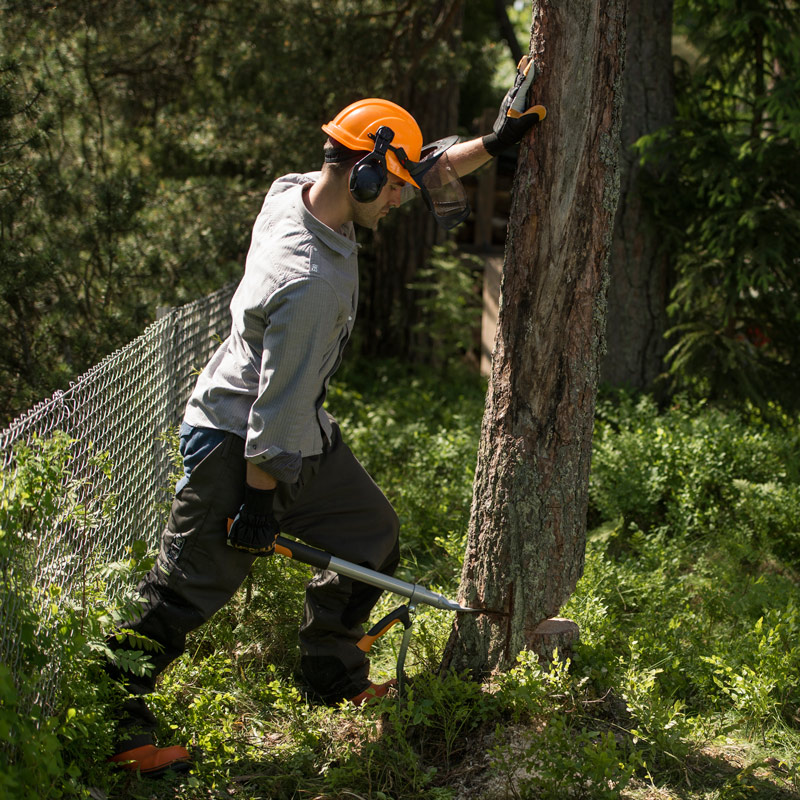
x=125 y=408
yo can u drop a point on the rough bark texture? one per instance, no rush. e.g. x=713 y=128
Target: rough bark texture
x=639 y=269
x=527 y=531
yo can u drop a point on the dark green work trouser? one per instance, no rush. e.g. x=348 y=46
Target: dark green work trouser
x=334 y=506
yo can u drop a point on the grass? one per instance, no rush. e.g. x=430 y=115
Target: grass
x=686 y=682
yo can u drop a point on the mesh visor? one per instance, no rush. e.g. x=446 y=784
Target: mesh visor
x=440 y=185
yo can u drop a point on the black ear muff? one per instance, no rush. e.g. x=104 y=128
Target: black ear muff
x=367 y=178
x=369 y=175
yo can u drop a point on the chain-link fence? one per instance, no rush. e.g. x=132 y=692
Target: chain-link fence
x=125 y=407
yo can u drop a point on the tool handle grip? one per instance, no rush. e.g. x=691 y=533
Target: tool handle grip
x=400 y=614
x=302 y=552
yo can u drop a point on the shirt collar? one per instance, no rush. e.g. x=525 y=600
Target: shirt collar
x=343 y=243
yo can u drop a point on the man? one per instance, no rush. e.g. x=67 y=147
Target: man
x=260 y=453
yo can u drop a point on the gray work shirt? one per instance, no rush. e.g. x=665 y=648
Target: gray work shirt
x=292 y=315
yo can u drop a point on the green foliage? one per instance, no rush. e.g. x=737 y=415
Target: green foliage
x=424 y=736
x=688 y=604
x=659 y=722
x=30 y=757
x=560 y=761
x=728 y=202
x=689 y=611
x=561 y=751
x=450 y=303
x=55 y=699
x=137 y=140
x=696 y=472
x=759 y=684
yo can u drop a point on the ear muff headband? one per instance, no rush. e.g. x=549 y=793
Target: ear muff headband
x=369 y=176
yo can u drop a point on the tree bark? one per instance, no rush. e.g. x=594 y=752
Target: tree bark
x=639 y=267
x=526 y=540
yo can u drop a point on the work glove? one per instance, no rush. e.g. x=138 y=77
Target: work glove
x=515 y=118
x=254 y=529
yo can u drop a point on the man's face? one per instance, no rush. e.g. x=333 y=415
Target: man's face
x=369 y=215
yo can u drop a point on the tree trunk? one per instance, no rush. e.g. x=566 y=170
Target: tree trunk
x=639 y=268
x=527 y=531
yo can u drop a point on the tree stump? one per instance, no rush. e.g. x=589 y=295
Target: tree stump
x=554 y=634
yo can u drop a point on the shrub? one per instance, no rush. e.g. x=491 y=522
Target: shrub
x=698 y=472
x=563 y=751
x=54 y=700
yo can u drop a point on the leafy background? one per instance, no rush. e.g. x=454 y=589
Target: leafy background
x=136 y=141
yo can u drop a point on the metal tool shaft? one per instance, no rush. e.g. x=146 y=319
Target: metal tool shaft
x=322 y=560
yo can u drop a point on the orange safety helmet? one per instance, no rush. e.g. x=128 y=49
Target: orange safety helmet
x=353 y=125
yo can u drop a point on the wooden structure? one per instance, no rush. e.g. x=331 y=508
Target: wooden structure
x=484 y=233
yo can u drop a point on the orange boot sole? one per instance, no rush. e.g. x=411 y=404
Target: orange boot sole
x=154 y=761
x=373 y=692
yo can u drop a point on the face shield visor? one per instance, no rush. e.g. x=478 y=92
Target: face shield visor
x=433 y=175
x=439 y=183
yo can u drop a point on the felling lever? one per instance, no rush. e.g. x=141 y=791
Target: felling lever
x=403 y=614
x=322 y=560
x=415 y=593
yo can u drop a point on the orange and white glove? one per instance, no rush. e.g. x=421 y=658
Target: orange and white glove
x=516 y=118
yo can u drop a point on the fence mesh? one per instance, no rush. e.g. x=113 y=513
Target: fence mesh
x=125 y=407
